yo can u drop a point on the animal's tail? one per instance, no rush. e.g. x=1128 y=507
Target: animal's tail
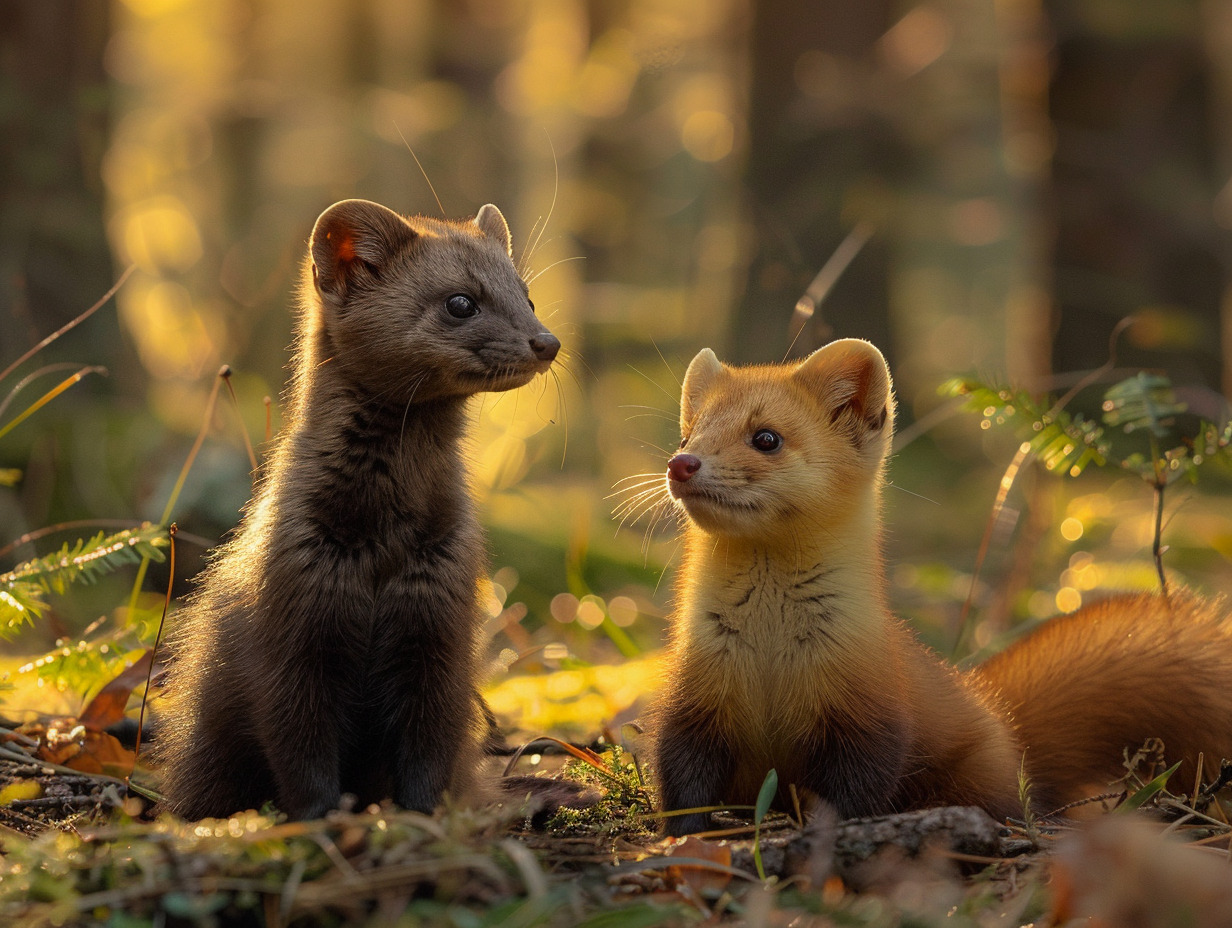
x=1086 y=687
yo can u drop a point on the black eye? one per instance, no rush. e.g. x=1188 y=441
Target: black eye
x=767 y=441
x=684 y=441
x=531 y=303
x=461 y=306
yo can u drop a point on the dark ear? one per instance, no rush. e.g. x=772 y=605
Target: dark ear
x=704 y=370
x=492 y=224
x=355 y=237
x=851 y=381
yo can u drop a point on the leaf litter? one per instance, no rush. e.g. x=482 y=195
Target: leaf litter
x=96 y=858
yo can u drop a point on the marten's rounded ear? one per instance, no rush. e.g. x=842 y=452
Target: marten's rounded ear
x=851 y=381
x=354 y=237
x=703 y=371
x=492 y=223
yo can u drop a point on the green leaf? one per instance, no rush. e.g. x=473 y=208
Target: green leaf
x=769 y=788
x=1156 y=785
x=1144 y=401
x=23 y=589
x=1064 y=443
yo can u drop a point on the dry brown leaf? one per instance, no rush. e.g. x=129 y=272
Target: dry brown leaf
x=108 y=705
x=703 y=881
x=67 y=742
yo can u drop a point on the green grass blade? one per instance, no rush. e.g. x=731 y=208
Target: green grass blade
x=1156 y=785
x=769 y=788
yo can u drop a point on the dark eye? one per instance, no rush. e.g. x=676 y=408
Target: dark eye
x=684 y=441
x=531 y=303
x=461 y=306
x=767 y=441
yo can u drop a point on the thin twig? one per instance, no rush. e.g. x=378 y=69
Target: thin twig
x=158 y=636
x=71 y=324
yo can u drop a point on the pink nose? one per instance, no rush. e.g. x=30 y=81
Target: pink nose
x=683 y=466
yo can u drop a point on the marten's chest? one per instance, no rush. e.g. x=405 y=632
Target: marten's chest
x=771 y=649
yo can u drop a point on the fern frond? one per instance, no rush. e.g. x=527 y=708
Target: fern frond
x=82 y=666
x=1144 y=401
x=22 y=589
x=1063 y=442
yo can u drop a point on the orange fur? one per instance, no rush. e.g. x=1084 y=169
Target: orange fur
x=784 y=652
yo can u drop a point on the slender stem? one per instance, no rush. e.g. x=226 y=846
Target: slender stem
x=158 y=636
x=68 y=325
x=179 y=483
x=1160 y=484
x=48 y=397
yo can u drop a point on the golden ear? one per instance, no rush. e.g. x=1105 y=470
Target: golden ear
x=492 y=223
x=851 y=381
x=354 y=237
x=703 y=371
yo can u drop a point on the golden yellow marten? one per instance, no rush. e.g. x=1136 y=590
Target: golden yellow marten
x=785 y=655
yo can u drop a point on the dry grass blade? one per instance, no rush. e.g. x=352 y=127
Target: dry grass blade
x=586 y=755
x=72 y=323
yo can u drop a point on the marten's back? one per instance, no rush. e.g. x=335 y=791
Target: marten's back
x=1084 y=687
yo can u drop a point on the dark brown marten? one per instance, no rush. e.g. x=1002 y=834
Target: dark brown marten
x=331 y=644
x=785 y=654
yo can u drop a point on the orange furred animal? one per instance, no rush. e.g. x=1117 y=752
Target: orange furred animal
x=785 y=655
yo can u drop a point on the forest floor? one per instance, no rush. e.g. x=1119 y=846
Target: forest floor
x=76 y=852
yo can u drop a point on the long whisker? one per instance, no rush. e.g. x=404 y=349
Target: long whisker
x=523 y=264
x=670 y=370
x=555 y=193
x=650 y=444
x=421 y=169
x=638 y=507
x=653 y=382
x=653 y=494
x=656 y=475
x=567 y=356
x=543 y=271
x=650 y=486
x=409 y=402
x=564 y=411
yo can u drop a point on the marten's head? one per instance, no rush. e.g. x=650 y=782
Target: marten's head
x=775 y=450
x=418 y=309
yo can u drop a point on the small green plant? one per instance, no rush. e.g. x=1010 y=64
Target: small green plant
x=23 y=589
x=1140 y=797
x=626 y=804
x=1144 y=404
x=1029 y=821
x=765 y=796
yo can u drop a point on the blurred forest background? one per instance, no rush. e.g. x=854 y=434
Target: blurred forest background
x=1008 y=179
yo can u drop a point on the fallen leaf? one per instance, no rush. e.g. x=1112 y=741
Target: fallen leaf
x=704 y=881
x=20 y=789
x=108 y=705
x=69 y=743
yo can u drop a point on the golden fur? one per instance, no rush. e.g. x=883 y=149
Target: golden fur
x=785 y=655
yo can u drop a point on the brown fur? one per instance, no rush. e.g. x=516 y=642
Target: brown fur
x=784 y=653
x=331 y=645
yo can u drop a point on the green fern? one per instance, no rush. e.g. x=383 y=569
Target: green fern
x=1062 y=442
x=1144 y=401
x=83 y=666
x=24 y=588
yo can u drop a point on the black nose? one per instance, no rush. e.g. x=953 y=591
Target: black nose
x=545 y=345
